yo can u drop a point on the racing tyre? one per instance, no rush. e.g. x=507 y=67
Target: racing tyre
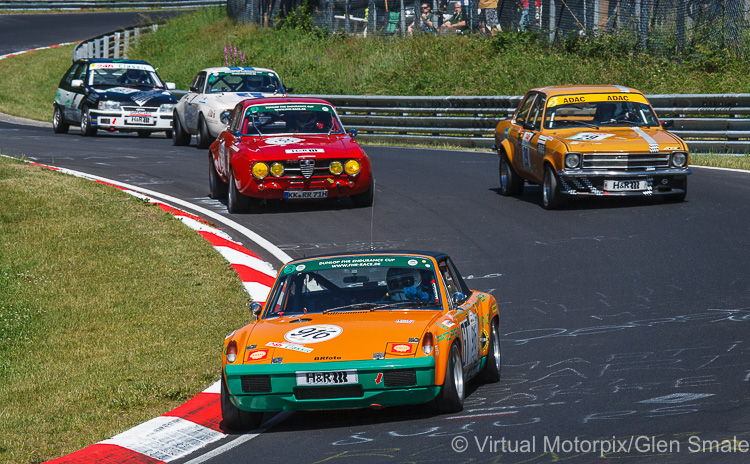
x=204 y=137
x=86 y=128
x=237 y=202
x=365 y=198
x=179 y=136
x=217 y=187
x=511 y=183
x=451 y=396
x=234 y=418
x=491 y=372
x=551 y=196
x=168 y=134
x=58 y=122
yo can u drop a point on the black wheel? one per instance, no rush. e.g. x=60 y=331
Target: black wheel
x=234 y=418
x=217 y=188
x=143 y=133
x=180 y=137
x=491 y=372
x=511 y=183
x=204 y=137
x=86 y=128
x=551 y=196
x=168 y=134
x=58 y=122
x=365 y=198
x=237 y=202
x=451 y=396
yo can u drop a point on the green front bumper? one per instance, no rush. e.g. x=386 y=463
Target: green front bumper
x=285 y=394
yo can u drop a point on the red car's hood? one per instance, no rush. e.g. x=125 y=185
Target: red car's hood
x=303 y=146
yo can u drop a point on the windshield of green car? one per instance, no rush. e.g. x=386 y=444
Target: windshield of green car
x=360 y=284
x=600 y=114
x=291 y=118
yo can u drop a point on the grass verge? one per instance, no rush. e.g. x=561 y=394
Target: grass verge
x=111 y=312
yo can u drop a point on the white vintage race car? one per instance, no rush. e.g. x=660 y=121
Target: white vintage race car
x=204 y=111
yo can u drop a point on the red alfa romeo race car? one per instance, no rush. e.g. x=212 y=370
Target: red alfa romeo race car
x=287 y=149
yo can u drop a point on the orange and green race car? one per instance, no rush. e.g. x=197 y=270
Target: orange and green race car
x=597 y=140
x=361 y=330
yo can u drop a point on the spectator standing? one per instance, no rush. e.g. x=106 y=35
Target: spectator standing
x=454 y=23
x=488 y=22
x=426 y=24
x=524 y=23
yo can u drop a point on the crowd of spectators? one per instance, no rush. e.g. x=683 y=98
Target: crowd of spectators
x=451 y=17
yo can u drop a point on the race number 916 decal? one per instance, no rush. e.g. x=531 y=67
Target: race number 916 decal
x=313 y=333
x=470 y=338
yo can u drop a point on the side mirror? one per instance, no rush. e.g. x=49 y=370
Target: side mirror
x=256 y=308
x=352 y=133
x=194 y=89
x=289 y=89
x=459 y=298
x=171 y=86
x=77 y=83
x=667 y=123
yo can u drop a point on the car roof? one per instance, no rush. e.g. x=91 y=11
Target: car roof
x=112 y=60
x=427 y=254
x=580 y=89
x=272 y=100
x=236 y=68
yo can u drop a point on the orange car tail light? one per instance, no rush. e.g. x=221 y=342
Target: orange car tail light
x=427 y=342
x=232 y=351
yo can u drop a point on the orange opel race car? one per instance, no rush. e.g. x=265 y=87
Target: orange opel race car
x=589 y=140
x=360 y=330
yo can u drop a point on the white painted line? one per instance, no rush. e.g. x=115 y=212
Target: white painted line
x=719 y=169
x=240 y=440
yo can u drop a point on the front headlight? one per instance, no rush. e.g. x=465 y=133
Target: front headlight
x=225 y=116
x=109 y=105
x=572 y=160
x=352 y=167
x=260 y=170
x=679 y=159
x=166 y=108
x=277 y=169
x=336 y=168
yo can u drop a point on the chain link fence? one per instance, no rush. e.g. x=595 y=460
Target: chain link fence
x=667 y=27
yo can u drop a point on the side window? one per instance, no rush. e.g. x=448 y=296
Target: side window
x=453 y=280
x=535 y=115
x=234 y=124
x=75 y=72
x=523 y=112
x=198 y=82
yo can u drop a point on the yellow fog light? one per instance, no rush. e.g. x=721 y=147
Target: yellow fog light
x=336 y=168
x=260 y=170
x=352 y=167
x=277 y=169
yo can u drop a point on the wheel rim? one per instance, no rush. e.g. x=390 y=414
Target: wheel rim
x=458 y=375
x=56 y=118
x=85 y=121
x=547 y=188
x=496 y=349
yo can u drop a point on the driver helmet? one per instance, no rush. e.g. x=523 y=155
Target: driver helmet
x=399 y=278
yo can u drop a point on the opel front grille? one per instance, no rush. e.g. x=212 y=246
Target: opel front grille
x=625 y=161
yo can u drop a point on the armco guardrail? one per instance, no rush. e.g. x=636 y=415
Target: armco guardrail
x=708 y=122
x=105 y=4
x=112 y=44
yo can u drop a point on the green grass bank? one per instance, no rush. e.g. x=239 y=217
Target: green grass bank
x=112 y=312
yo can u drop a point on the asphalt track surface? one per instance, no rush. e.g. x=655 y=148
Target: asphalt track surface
x=623 y=323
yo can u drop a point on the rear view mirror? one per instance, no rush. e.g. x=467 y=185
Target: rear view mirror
x=77 y=83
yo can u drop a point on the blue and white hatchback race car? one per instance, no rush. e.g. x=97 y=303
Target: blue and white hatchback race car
x=115 y=95
x=205 y=110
